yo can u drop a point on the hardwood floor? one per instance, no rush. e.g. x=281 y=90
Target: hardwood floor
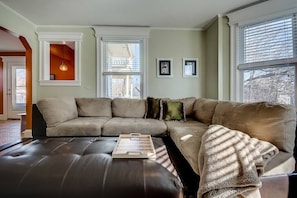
x=10 y=132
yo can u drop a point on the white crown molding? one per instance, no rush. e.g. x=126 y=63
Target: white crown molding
x=54 y=36
x=63 y=26
x=175 y=28
x=92 y=27
x=110 y=31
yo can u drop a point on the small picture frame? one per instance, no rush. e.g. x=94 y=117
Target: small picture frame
x=164 y=67
x=52 y=76
x=190 y=67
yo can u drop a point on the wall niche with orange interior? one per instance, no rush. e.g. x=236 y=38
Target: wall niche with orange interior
x=62 y=61
x=56 y=49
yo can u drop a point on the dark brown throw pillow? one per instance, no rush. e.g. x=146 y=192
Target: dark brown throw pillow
x=153 y=108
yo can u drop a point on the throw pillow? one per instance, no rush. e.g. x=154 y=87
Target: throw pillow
x=173 y=110
x=153 y=108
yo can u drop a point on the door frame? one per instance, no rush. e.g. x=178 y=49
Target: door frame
x=28 y=55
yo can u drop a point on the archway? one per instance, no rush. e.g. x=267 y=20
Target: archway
x=28 y=55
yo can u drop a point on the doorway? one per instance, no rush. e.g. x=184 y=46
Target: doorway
x=14 y=87
x=28 y=68
x=16 y=90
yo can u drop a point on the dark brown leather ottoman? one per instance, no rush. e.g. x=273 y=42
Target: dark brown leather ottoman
x=83 y=167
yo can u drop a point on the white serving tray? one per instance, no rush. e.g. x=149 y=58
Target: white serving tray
x=134 y=145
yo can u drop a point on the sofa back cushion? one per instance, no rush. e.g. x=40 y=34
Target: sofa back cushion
x=203 y=109
x=188 y=105
x=128 y=108
x=57 y=110
x=95 y=107
x=274 y=123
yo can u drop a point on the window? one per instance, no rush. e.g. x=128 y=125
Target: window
x=20 y=86
x=122 y=69
x=121 y=61
x=268 y=60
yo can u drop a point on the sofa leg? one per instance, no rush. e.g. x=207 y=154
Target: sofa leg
x=292 y=185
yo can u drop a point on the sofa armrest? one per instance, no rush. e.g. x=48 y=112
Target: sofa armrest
x=38 y=123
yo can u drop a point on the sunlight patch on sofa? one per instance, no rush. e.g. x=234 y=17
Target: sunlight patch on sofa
x=186 y=137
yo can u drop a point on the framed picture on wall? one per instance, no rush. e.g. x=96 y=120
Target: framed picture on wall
x=190 y=67
x=164 y=67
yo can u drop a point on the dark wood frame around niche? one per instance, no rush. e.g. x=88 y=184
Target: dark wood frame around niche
x=28 y=54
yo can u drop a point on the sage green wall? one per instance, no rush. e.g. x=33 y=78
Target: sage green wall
x=88 y=66
x=176 y=44
x=218 y=59
x=212 y=61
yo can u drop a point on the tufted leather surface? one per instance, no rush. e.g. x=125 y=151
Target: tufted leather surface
x=83 y=167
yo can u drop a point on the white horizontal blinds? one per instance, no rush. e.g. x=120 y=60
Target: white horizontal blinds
x=122 y=57
x=268 y=41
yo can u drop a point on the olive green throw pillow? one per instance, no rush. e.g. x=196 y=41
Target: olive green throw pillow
x=173 y=110
x=153 y=108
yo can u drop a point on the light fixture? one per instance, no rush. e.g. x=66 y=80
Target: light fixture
x=63 y=66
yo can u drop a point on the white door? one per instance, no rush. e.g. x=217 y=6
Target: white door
x=16 y=90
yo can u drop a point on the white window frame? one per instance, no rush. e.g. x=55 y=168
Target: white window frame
x=121 y=34
x=265 y=11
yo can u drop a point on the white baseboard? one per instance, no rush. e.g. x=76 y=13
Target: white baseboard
x=3 y=117
x=27 y=133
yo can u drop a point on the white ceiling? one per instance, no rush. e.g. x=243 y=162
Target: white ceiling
x=152 y=13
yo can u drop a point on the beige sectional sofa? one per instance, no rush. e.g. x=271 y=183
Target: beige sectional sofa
x=275 y=123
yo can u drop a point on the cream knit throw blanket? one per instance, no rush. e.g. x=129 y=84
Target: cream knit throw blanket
x=231 y=162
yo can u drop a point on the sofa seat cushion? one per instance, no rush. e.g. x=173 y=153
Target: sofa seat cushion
x=81 y=126
x=282 y=163
x=274 y=123
x=188 y=140
x=116 y=126
x=189 y=123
